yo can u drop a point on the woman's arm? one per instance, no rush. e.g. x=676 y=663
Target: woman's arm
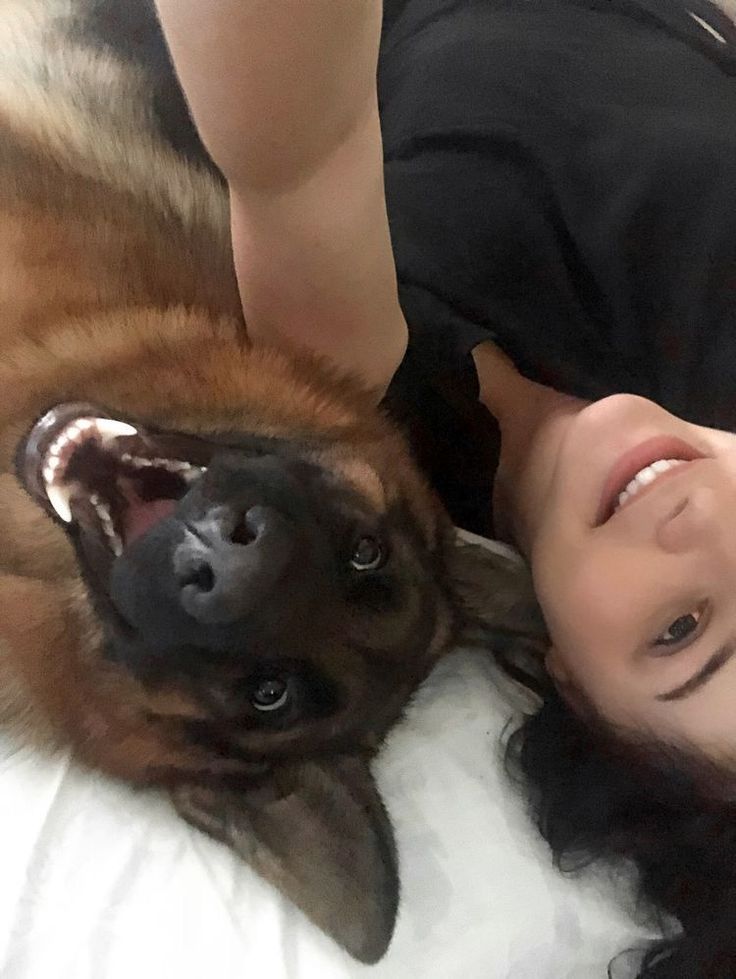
x=284 y=95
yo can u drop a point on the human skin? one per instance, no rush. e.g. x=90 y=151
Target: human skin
x=284 y=95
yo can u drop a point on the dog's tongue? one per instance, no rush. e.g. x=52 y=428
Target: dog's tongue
x=142 y=515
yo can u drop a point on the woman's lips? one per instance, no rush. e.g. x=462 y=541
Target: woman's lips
x=633 y=461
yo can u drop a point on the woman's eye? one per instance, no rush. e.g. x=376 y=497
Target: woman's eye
x=270 y=694
x=681 y=629
x=368 y=554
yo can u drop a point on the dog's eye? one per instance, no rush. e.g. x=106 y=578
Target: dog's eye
x=368 y=554
x=270 y=694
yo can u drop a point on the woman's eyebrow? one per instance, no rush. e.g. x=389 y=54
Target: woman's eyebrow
x=712 y=666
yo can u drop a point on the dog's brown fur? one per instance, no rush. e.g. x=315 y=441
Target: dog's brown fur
x=116 y=288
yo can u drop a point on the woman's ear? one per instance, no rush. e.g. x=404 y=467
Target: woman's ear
x=556 y=668
x=564 y=681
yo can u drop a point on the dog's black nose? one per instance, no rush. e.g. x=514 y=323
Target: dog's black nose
x=240 y=566
x=229 y=562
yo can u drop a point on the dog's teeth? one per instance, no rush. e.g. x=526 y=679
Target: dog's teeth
x=110 y=428
x=185 y=469
x=138 y=462
x=108 y=527
x=48 y=475
x=49 y=470
x=173 y=465
x=193 y=473
x=58 y=497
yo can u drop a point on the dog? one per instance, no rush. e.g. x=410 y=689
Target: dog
x=221 y=572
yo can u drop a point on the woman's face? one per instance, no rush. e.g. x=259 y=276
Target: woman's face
x=629 y=520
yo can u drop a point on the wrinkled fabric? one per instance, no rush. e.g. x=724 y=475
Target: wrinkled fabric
x=100 y=881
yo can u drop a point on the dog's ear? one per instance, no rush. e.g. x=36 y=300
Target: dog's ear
x=495 y=587
x=497 y=597
x=317 y=831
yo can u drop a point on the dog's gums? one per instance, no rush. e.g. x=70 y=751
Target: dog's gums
x=104 y=474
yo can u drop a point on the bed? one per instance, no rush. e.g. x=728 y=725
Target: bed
x=100 y=881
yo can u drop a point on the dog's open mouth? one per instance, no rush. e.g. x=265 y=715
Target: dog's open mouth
x=114 y=480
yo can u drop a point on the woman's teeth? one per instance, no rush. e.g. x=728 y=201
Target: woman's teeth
x=646 y=476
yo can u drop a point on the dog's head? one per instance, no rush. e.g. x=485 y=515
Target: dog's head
x=287 y=590
x=244 y=581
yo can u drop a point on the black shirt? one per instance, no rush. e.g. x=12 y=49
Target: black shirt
x=560 y=177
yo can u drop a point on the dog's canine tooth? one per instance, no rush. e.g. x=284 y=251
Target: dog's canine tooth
x=58 y=497
x=109 y=429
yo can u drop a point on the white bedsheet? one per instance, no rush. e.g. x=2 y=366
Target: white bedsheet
x=98 y=881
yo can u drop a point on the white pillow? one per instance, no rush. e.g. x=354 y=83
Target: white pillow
x=99 y=881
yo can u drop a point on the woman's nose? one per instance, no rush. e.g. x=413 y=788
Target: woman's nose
x=694 y=522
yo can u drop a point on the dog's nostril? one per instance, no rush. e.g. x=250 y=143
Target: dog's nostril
x=202 y=577
x=243 y=534
x=229 y=562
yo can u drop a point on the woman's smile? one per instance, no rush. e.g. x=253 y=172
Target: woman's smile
x=641 y=468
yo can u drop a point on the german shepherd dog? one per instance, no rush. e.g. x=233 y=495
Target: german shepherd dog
x=221 y=572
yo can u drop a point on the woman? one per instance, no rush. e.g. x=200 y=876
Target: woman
x=560 y=179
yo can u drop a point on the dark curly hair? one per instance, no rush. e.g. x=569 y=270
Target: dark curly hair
x=595 y=792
